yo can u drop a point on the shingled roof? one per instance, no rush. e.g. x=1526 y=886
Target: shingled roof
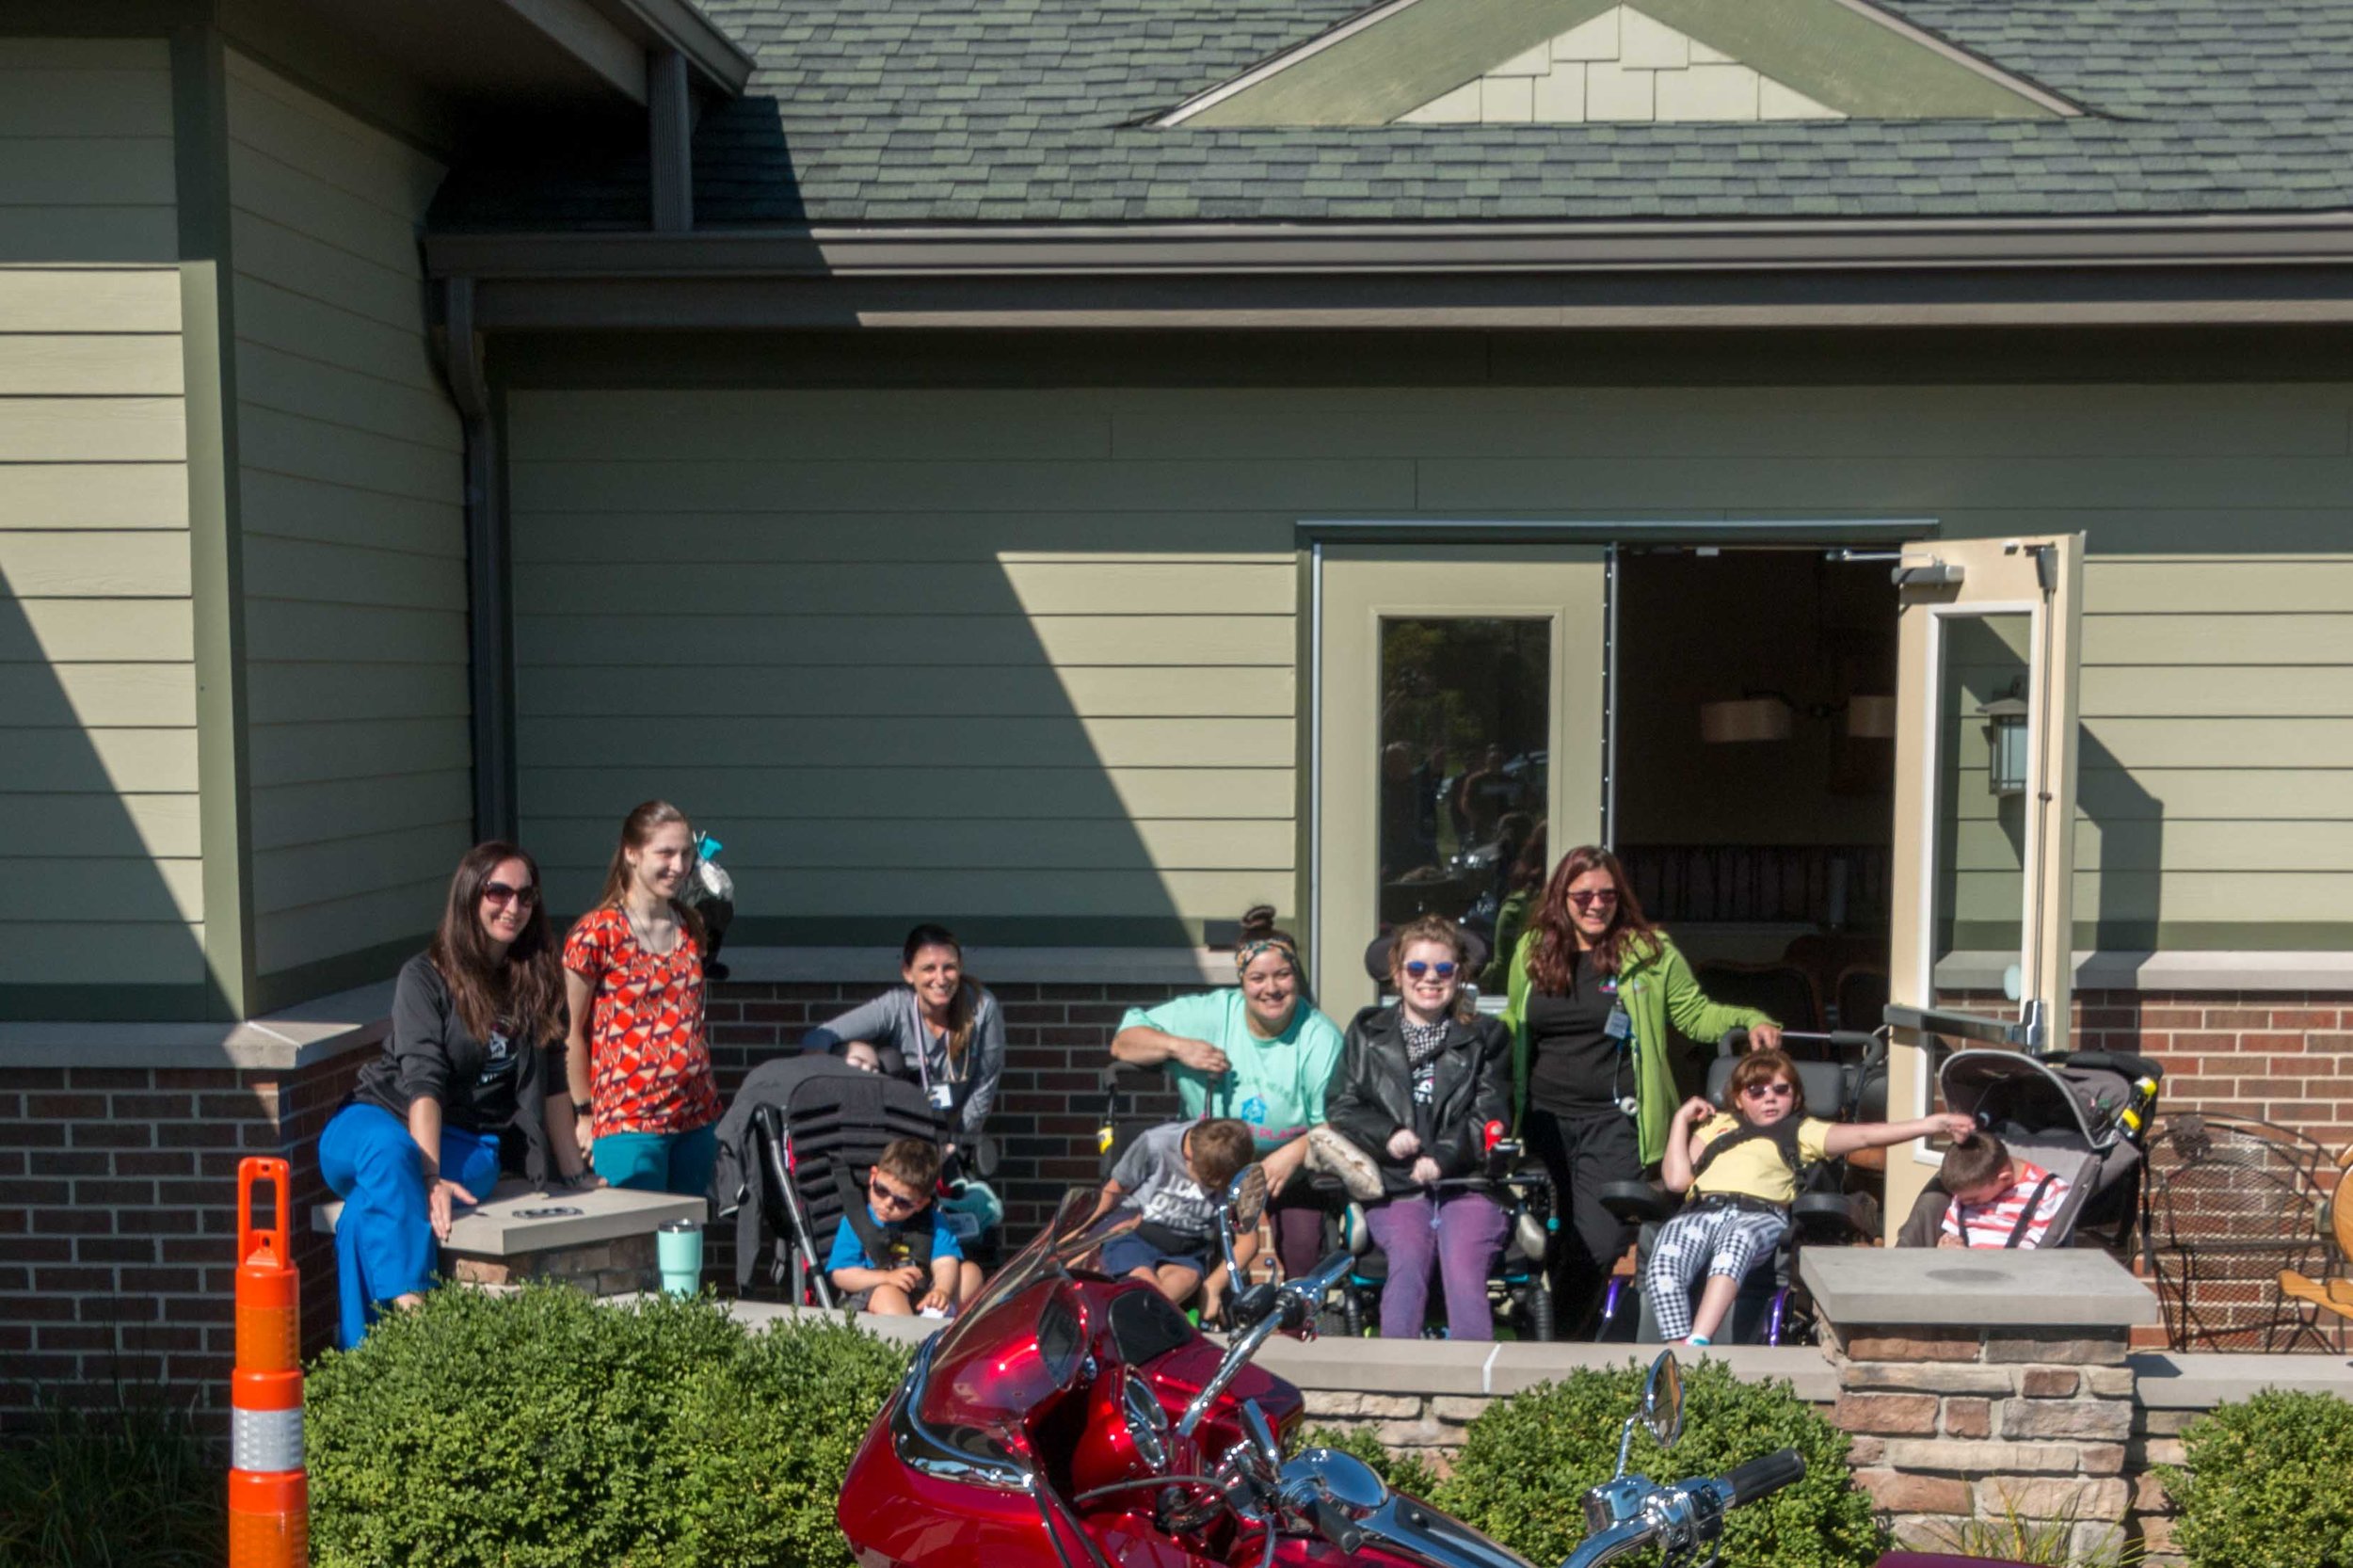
x=953 y=111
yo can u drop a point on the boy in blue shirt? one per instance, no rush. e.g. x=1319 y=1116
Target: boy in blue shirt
x=894 y=1254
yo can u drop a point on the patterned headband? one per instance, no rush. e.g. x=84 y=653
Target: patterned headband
x=1250 y=950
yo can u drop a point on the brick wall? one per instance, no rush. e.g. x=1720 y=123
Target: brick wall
x=118 y=1218
x=2284 y=1060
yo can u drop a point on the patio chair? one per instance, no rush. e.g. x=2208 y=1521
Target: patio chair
x=2234 y=1205
x=2333 y=1297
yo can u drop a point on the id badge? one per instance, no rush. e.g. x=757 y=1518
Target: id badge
x=943 y=1097
x=1620 y=1026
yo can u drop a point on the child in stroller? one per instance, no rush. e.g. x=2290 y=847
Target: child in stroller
x=2084 y=1117
x=1742 y=1166
x=891 y=1255
x=803 y=1131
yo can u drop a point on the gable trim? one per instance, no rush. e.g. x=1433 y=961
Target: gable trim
x=1275 y=64
x=1955 y=53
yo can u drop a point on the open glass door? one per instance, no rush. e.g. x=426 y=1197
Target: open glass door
x=1980 y=953
x=1459 y=714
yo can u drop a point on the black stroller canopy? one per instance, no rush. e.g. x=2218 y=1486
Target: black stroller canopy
x=2011 y=1094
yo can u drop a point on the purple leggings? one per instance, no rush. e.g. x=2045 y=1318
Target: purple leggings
x=1467 y=1232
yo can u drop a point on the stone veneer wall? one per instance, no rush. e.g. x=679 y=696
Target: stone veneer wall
x=1948 y=1423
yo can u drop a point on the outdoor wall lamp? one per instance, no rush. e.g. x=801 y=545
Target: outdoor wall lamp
x=1770 y=715
x=2005 y=743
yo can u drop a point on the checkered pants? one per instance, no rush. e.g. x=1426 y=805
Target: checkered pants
x=1718 y=1239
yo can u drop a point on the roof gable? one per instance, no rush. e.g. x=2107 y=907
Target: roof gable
x=1623 y=65
x=1660 y=61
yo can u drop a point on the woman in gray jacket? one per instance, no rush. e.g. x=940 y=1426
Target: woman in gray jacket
x=944 y=1025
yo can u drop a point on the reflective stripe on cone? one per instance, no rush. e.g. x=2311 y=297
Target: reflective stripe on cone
x=265 y=1440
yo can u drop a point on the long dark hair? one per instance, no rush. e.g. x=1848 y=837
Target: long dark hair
x=964 y=1006
x=636 y=829
x=527 y=987
x=1552 y=966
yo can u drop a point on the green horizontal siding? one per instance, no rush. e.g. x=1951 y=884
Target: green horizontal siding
x=353 y=540
x=1031 y=656
x=99 y=837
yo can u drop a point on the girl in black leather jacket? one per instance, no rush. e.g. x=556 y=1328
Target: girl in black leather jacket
x=1419 y=1083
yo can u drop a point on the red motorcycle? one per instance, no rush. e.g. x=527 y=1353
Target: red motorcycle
x=1068 y=1420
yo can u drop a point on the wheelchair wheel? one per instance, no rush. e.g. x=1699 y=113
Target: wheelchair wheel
x=1352 y=1311
x=1540 y=1326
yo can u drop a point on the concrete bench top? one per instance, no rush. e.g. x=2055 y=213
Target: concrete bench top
x=1957 y=1287
x=504 y=1225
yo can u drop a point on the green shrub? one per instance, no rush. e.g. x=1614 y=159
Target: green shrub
x=543 y=1431
x=1408 y=1473
x=2269 y=1485
x=1526 y=1460
x=128 y=1486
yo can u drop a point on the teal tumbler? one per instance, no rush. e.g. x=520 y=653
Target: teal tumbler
x=679 y=1250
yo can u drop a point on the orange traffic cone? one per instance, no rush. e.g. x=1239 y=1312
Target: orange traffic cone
x=269 y=1503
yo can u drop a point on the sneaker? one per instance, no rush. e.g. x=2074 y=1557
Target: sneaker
x=1334 y=1156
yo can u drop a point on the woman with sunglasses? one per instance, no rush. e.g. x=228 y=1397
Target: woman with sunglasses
x=1417 y=1086
x=637 y=1051
x=418 y=1137
x=1594 y=986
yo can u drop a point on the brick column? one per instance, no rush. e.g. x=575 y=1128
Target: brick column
x=1984 y=1386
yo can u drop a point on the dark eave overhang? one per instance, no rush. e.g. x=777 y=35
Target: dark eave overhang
x=715 y=58
x=2238 y=270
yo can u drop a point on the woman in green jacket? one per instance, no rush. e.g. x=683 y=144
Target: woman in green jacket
x=1594 y=986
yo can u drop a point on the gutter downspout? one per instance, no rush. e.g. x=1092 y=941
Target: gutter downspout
x=489 y=585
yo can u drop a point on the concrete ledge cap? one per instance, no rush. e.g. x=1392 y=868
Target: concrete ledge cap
x=1948 y=1288
x=498 y=1227
x=1405 y=1367
x=2172 y=1379
x=279 y=1042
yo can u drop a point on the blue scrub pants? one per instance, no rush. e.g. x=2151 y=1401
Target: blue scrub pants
x=679 y=1162
x=384 y=1244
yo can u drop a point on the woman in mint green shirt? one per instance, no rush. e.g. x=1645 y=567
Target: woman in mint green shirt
x=1259 y=1054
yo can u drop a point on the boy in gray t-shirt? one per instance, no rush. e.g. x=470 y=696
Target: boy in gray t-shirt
x=1171 y=1176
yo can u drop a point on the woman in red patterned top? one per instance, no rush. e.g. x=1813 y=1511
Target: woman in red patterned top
x=637 y=1054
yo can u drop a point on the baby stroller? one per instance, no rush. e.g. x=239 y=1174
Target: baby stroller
x=792 y=1149
x=2084 y=1117
x=1769 y=1309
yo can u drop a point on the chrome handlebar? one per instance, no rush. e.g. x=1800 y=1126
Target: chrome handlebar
x=1304 y=1294
x=1630 y=1513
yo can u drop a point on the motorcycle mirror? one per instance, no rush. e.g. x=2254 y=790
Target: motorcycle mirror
x=1239 y=1209
x=1662 y=1400
x=1245 y=1196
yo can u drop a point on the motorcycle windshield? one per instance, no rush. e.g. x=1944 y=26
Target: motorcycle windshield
x=1025 y=1336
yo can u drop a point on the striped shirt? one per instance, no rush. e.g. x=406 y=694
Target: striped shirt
x=1989 y=1225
